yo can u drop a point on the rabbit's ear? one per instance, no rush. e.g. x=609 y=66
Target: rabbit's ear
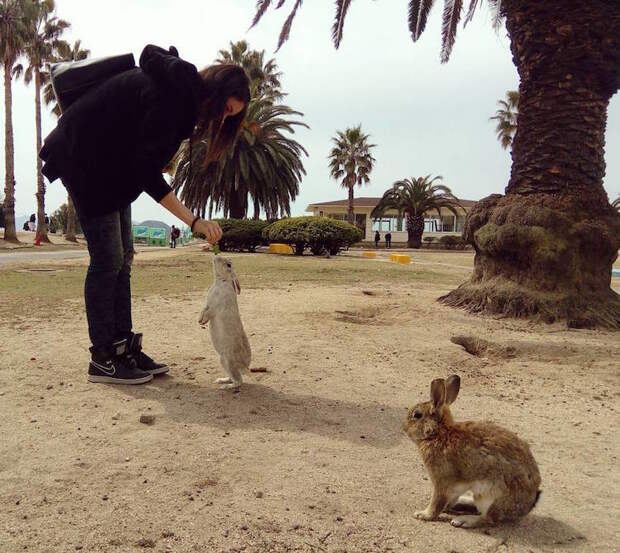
x=453 y=385
x=438 y=392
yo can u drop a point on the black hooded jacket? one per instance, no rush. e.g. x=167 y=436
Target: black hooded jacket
x=113 y=143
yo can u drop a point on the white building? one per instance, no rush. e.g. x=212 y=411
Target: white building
x=434 y=225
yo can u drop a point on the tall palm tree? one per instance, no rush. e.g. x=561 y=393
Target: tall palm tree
x=42 y=43
x=413 y=198
x=566 y=53
x=506 y=117
x=351 y=161
x=14 y=16
x=264 y=76
x=264 y=163
x=65 y=52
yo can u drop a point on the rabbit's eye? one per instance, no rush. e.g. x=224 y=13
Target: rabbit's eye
x=417 y=415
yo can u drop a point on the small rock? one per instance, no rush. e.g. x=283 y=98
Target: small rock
x=147 y=419
x=105 y=498
x=258 y=494
x=49 y=386
x=116 y=416
x=79 y=547
x=244 y=527
x=145 y=543
x=126 y=459
x=33 y=359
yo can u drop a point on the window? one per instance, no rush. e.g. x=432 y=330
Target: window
x=460 y=223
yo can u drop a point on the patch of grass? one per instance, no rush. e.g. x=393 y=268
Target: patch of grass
x=39 y=294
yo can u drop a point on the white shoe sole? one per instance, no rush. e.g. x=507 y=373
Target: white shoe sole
x=161 y=370
x=111 y=380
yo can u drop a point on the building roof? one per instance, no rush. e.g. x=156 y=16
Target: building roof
x=368 y=202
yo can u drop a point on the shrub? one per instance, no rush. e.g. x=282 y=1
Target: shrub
x=452 y=242
x=320 y=234
x=429 y=239
x=241 y=234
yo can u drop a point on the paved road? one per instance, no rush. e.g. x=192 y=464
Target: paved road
x=29 y=255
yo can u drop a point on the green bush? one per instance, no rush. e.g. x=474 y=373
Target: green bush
x=429 y=239
x=241 y=234
x=452 y=242
x=319 y=234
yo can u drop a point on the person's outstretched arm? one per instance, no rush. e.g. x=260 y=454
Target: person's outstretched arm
x=211 y=230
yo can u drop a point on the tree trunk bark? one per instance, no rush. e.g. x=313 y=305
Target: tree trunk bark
x=70 y=234
x=350 y=211
x=256 y=209
x=10 y=234
x=237 y=208
x=546 y=248
x=415 y=229
x=40 y=195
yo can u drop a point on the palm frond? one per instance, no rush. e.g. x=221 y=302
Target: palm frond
x=418 y=15
x=286 y=28
x=342 y=7
x=261 y=8
x=451 y=17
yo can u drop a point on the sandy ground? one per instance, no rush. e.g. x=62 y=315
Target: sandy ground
x=310 y=455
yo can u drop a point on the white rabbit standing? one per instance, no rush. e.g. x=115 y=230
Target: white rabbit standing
x=222 y=313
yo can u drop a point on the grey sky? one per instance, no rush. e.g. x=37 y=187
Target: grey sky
x=424 y=117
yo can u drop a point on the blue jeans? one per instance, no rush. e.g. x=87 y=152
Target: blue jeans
x=107 y=290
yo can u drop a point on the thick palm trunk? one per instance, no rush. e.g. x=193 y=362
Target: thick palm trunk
x=10 y=234
x=237 y=207
x=350 y=211
x=71 y=216
x=40 y=195
x=546 y=248
x=415 y=229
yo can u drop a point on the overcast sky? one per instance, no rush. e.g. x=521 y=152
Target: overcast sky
x=424 y=117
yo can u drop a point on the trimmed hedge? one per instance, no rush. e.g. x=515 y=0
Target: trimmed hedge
x=241 y=234
x=452 y=242
x=319 y=234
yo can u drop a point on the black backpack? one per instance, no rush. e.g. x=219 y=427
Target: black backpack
x=72 y=79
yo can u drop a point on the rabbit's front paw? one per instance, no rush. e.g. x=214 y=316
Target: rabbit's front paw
x=423 y=515
x=467 y=521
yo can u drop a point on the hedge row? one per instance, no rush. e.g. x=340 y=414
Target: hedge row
x=318 y=234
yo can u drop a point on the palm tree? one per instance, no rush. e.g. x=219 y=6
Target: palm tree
x=264 y=76
x=506 y=117
x=413 y=198
x=546 y=247
x=14 y=16
x=351 y=161
x=43 y=41
x=65 y=52
x=264 y=163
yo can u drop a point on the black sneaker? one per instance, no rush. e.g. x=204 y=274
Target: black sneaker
x=112 y=365
x=142 y=360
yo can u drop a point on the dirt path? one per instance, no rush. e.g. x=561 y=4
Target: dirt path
x=309 y=456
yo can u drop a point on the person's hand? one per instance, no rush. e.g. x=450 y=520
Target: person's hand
x=211 y=231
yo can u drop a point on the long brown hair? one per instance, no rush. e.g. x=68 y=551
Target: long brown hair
x=220 y=82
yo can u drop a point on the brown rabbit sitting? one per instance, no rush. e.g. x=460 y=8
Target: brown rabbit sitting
x=491 y=463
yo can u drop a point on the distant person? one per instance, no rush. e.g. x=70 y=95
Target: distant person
x=174 y=236
x=388 y=240
x=26 y=225
x=377 y=239
x=47 y=220
x=108 y=148
x=32 y=223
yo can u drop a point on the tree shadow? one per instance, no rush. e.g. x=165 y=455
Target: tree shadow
x=260 y=407
x=536 y=531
